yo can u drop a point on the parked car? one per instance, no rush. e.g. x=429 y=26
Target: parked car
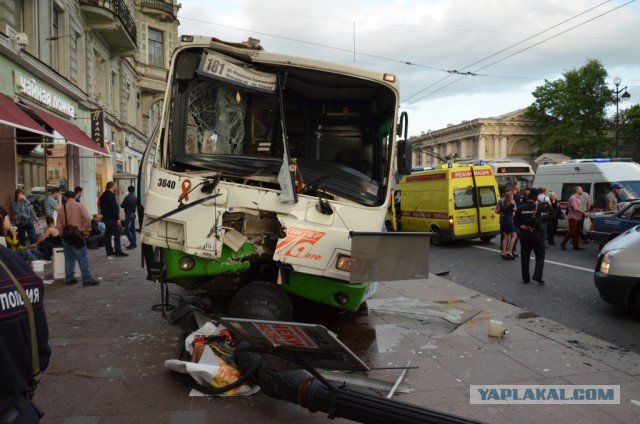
x=605 y=226
x=617 y=273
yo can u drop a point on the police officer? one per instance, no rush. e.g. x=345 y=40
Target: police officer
x=19 y=369
x=529 y=222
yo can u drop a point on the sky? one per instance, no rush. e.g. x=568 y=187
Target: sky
x=456 y=60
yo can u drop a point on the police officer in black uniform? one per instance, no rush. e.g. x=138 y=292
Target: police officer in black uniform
x=528 y=220
x=17 y=374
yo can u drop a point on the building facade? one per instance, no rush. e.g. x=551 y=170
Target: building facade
x=81 y=85
x=508 y=136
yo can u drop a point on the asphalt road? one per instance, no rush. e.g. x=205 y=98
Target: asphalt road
x=569 y=297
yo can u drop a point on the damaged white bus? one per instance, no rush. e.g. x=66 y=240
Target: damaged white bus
x=268 y=176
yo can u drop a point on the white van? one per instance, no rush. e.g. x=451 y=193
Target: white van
x=595 y=176
x=617 y=275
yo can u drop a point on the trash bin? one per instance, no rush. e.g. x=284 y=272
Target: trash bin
x=58 y=264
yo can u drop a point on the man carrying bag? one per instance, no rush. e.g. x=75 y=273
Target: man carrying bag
x=75 y=214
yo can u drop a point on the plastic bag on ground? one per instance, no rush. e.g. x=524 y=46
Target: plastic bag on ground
x=207 y=367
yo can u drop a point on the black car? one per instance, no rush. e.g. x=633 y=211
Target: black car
x=608 y=225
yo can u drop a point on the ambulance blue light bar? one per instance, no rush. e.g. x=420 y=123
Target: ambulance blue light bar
x=422 y=168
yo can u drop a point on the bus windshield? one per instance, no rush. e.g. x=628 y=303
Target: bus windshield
x=241 y=118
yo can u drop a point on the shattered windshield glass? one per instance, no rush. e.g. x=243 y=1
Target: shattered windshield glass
x=228 y=117
x=216 y=122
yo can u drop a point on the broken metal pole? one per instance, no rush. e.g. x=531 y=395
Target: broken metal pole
x=298 y=387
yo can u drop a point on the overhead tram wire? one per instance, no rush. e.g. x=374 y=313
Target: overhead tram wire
x=557 y=35
x=403 y=62
x=450 y=72
x=497 y=53
x=519 y=51
x=494 y=54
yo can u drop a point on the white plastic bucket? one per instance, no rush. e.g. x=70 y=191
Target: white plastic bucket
x=37 y=265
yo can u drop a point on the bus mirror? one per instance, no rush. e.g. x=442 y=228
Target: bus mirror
x=405 y=157
x=403 y=125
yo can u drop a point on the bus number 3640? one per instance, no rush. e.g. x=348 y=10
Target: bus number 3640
x=163 y=182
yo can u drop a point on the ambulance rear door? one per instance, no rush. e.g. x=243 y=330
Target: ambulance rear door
x=487 y=191
x=465 y=213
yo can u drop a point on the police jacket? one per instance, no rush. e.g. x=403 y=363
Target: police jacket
x=527 y=217
x=109 y=205
x=15 y=340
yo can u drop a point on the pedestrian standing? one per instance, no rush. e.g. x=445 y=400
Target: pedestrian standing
x=611 y=201
x=506 y=208
x=552 y=219
x=77 y=193
x=574 y=215
x=111 y=218
x=129 y=204
x=521 y=197
x=24 y=355
x=75 y=213
x=529 y=221
x=52 y=203
x=25 y=217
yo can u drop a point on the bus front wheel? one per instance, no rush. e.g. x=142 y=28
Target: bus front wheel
x=261 y=300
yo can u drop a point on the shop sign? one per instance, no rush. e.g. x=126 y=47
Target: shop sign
x=97 y=126
x=136 y=144
x=31 y=89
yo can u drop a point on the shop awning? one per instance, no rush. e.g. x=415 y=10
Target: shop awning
x=12 y=115
x=70 y=132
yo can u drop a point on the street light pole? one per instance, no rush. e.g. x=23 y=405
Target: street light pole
x=617 y=81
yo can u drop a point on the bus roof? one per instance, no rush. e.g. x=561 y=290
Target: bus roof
x=252 y=51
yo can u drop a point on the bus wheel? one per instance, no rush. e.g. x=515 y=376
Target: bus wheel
x=436 y=238
x=261 y=300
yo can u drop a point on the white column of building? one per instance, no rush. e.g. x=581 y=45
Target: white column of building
x=481 y=147
x=503 y=147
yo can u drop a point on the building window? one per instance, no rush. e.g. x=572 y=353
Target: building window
x=55 y=42
x=113 y=92
x=155 y=48
x=19 y=15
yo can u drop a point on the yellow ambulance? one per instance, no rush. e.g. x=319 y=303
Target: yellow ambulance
x=455 y=202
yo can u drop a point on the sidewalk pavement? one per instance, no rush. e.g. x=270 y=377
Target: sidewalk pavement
x=109 y=349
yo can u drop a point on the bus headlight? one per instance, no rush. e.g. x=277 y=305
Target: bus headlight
x=345 y=263
x=186 y=263
x=605 y=264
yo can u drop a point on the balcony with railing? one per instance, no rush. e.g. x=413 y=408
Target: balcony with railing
x=165 y=8
x=115 y=23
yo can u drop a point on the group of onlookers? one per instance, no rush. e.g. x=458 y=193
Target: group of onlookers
x=547 y=209
x=65 y=209
x=532 y=217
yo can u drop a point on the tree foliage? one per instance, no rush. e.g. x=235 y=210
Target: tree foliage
x=630 y=131
x=571 y=114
